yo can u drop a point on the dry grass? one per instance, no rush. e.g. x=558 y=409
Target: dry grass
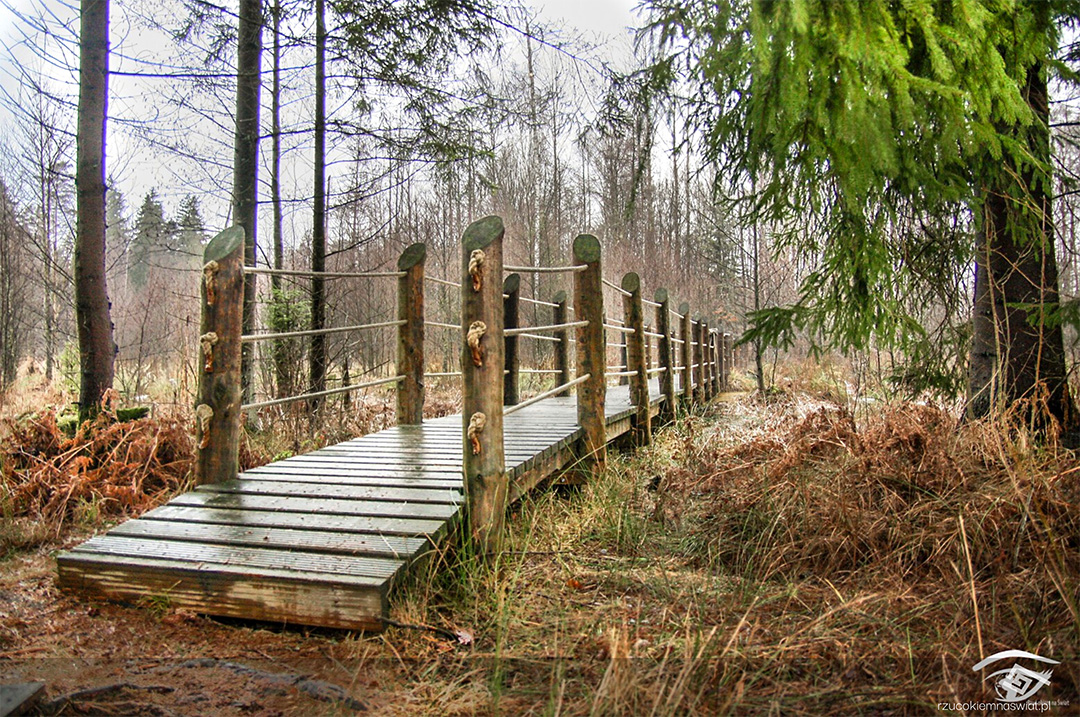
x=770 y=557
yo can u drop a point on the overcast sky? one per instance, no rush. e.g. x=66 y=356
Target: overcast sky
x=605 y=23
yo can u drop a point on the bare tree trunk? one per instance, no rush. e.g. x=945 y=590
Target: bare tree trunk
x=318 y=228
x=96 y=348
x=282 y=375
x=756 y=259
x=246 y=164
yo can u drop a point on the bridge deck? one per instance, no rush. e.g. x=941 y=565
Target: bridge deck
x=319 y=539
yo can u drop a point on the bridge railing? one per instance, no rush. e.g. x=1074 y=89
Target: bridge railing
x=689 y=361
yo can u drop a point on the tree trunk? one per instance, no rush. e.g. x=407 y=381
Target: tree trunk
x=96 y=348
x=318 y=226
x=282 y=375
x=246 y=164
x=1016 y=293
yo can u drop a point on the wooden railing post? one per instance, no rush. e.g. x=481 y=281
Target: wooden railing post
x=511 y=289
x=717 y=339
x=706 y=353
x=706 y=386
x=722 y=360
x=482 y=381
x=624 y=359
x=699 y=361
x=667 y=357
x=686 y=336
x=650 y=353
x=217 y=408
x=562 y=346
x=410 y=344
x=641 y=431
x=591 y=350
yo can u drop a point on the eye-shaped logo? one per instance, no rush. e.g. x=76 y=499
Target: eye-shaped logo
x=1016 y=683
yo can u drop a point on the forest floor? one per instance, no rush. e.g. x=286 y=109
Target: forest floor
x=765 y=556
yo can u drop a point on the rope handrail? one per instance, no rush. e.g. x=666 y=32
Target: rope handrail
x=325 y=274
x=676 y=314
x=546 y=394
x=539 y=370
x=538 y=302
x=543 y=338
x=677 y=341
x=320 y=394
x=251 y=338
x=617 y=288
x=441 y=324
x=615 y=368
x=613 y=320
x=620 y=373
x=654 y=304
x=442 y=374
x=546 y=269
x=659 y=369
x=444 y=282
x=550 y=327
x=615 y=346
x=622 y=329
x=654 y=334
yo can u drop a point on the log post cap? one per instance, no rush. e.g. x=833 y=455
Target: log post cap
x=413 y=255
x=559 y=297
x=482 y=233
x=511 y=283
x=586 y=248
x=226 y=242
x=631 y=282
x=684 y=308
x=661 y=296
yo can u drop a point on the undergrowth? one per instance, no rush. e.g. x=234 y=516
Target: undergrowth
x=770 y=557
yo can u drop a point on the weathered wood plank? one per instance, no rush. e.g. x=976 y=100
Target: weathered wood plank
x=315 y=490
x=300 y=474
x=313 y=505
x=381 y=546
x=346 y=602
x=375 y=570
x=379 y=525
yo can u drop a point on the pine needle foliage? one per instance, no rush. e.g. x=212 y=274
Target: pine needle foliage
x=870 y=130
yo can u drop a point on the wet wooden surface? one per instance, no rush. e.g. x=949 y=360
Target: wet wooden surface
x=318 y=539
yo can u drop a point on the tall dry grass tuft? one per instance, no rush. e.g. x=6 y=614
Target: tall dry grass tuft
x=897 y=551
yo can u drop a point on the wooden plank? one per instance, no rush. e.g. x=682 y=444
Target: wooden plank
x=316 y=490
x=334 y=506
x=229 y=590
x=409 y=453
x=299 y=474
x=454 y=437
x=321 y=541
x=20 y=698
x=376 y=525
x=439 y=458
x=373 y=571
x=409 y=476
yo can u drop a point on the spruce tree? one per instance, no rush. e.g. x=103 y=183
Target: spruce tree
x=898 y=144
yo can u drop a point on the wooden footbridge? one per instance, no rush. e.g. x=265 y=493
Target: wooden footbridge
x=319 y=539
